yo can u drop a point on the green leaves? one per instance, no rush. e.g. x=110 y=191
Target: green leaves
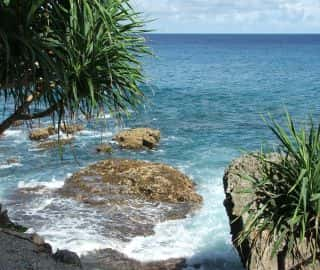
x=286 y=198
x=89 y=50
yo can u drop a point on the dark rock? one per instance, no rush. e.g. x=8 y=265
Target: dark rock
x=104 y=148
x=19 y=252
x=67 y=257
x=109 y=259
x=138 y=138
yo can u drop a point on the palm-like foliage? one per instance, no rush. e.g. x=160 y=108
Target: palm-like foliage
x=70 y=56
x=286 y=205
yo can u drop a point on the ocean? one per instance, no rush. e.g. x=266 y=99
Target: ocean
x=207 y=94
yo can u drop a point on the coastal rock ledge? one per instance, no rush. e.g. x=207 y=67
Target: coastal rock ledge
x=121 y=179
x=235 y=201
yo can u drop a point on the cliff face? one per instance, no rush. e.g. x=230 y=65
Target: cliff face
x=235 y=201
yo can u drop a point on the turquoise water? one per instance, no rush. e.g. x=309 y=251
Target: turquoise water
x=206 y=94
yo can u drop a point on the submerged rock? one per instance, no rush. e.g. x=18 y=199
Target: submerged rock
x=234 y=185
x=55 y=143
x=109 y=259
x=122 y=179
x=104 y=148
x=42 y=133
x=132 y=196
x=138 y=138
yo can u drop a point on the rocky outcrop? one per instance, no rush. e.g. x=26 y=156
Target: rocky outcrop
x=234 y=185
x=123 y=179
x=19 y=250
x=71 y=129
x=109 y=259
x=42 y=133
x=138 y=138
x=104 y=148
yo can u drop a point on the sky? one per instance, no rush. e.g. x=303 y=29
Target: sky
x=231 y=16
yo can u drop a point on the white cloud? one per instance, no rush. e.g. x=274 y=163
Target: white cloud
x=232 y=16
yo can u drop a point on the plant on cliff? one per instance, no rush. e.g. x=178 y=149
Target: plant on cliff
x=285 y=210
x=60 y=58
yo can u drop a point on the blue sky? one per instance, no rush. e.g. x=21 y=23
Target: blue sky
x=232 y=16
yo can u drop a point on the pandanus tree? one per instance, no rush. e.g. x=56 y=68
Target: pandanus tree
x=62 y=58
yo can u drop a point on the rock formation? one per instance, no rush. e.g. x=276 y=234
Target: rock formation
x=138 y=138
x=234 y=185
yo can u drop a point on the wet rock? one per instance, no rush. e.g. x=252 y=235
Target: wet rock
x=131 y=178
x=234 y=185
x=71 y=129
x=104 y=148
x=41 y=133
x=138 y=138
x=12 y=161
x=67 y=257
x=18 y=252
x=55 y=143
x=109 y=259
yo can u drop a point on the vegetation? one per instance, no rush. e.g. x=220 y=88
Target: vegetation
x=62 y=58
x=286 y=206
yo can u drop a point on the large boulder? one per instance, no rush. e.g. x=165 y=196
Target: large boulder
x=134 y=195
x=121 y=179
x=138 y=138
x=236 y=199
x=42 y=133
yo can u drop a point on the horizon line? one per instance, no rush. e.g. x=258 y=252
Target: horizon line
x=231 y=33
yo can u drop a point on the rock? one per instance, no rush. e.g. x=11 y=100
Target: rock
x=138 y=138
x=109 y=259
x=71 y=129
x=104 y=148
x=18 y=123
x=19 y=251
x=234 y=183
x=55 y=143
x=12 y=161
x=67 y=257
x=138 y=179
x=42 y=133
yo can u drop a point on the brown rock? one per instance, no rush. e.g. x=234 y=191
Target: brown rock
x=234 y=184
x=41 y=133
x=138 y=138
x=71 y=129
x=18 y=123
x=138 y=179
x=55 y=143
x=104 y=148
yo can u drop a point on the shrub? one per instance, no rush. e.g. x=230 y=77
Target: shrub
x=286 y=206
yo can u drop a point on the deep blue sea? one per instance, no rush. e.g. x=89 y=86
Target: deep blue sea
x=206 y=93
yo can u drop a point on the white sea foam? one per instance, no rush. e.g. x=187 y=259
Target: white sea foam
x=53 y=184
x=7 y=166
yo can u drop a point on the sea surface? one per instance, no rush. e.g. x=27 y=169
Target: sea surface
x=206 y=93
